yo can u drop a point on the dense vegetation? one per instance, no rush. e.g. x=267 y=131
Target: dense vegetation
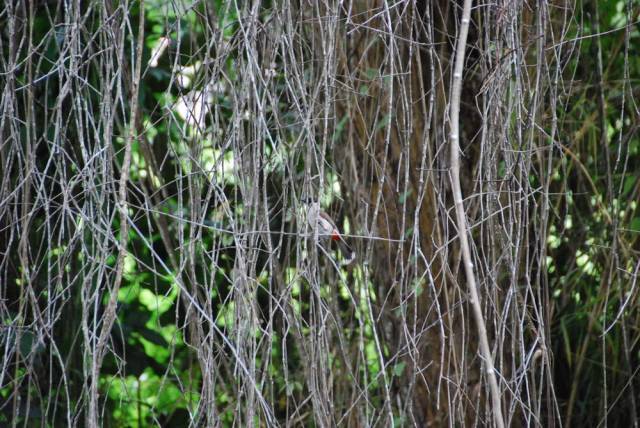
x=156 y=266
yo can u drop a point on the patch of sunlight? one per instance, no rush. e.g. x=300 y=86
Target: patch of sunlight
x=553 y=241
x=568 y=222
x=157 y=303
x=129 y=264
x=583 y=261
x=551 y=268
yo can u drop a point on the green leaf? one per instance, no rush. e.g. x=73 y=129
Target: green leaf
x=403 y=196
x=398 y=369
x=383 y=122
x=629 y=182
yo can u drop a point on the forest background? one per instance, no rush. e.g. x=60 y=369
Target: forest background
x=482 y=158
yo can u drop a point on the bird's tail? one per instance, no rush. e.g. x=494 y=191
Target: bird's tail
x=347 y=252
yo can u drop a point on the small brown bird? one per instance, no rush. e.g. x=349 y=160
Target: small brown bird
x=327 y=229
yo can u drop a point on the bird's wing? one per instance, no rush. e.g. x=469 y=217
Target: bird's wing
x=326 y=225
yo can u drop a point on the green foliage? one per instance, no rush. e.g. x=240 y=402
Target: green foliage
x=591 y=242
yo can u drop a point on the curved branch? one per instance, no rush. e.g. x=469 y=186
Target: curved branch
x=463 y=229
